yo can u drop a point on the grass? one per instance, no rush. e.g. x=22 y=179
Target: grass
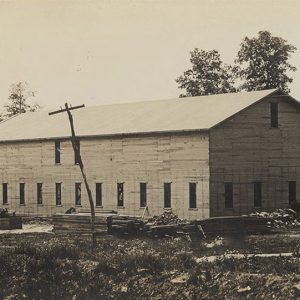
x=48 y=266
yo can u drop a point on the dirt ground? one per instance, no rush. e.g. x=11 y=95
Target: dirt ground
x=38 y=264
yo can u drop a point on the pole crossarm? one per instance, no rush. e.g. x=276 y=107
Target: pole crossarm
x=65 y=109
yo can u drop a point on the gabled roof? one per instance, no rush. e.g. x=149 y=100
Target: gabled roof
x=173 y=115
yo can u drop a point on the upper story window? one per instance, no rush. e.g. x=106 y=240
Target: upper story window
x=274 y=114
x=57 y=152
x=77 y=152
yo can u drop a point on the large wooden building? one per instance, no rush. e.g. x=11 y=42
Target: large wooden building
x=205 y=156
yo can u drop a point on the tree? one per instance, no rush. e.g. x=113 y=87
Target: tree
x=263 y=62
x=18 y=100
x=208 y=75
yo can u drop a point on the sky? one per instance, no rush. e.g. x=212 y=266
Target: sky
x=104 y=51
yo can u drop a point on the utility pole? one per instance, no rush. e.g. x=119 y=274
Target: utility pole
x=80 y=163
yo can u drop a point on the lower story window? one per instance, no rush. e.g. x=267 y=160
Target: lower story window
x=98 y=194
x=39 y=192
x=292 y=192
x=257 y=194
x=228 y=186
x=78 y=193
x=22 y=193
x=167 y=195
x=4 y=193
x=58 y=193
x=193 y=195
x=120 y=191
x=143 y=194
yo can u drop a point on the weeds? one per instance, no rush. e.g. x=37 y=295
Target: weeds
x=65 y=267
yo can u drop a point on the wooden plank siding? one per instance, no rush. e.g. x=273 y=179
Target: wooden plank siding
x=179 y=159
x=245 y=149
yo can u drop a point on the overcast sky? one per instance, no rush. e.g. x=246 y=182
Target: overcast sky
x=99 y=52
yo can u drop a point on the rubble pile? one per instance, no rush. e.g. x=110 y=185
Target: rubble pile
x=166 y=218
x=281 y=218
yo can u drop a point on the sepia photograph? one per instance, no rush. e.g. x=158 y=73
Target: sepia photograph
x=149 y=149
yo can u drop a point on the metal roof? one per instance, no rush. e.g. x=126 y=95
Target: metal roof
x=173 y=115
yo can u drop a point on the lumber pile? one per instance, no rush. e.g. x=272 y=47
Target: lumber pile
x=79 y=223
x=9 y=221
x=235 y=225
x=118 y=224
x=167 y=224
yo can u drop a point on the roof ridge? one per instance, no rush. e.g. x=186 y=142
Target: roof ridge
x=181 y=99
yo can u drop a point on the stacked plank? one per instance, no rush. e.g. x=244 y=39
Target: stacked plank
x=11 y=222
x=218 y=226
x=79 y=223
x=235 y=225
x=118 y=224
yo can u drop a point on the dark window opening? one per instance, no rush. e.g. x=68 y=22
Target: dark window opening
x=98 y=194
x=4 y=193
x=57 y=152
x=77 y=151
x=292 y=192
x=143 y=194
x=193 y=194
x=228 y=195
x=39 y=189
x=58 y=193
x=78 y=193
x=274 y=114
x=120 y=190
x=22 y=193
x=257 y=194
x=167 y=195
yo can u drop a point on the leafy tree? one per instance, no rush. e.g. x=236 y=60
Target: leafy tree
x=263 y=62
x=208 y=75
x=18 y=100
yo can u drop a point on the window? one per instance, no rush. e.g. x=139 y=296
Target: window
x=292 y=192
x=257 y=194
x=78 y=193
x=98 y=194
x=274 y=114
x=228 y=195
x=57 y=152
x=58 y=193
x=39 y=190
x=77 y=153
x=120 y=191
x=143 y=194
x=167 y=195
x=193 y=195
x=4 y=193
x=22 y=193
